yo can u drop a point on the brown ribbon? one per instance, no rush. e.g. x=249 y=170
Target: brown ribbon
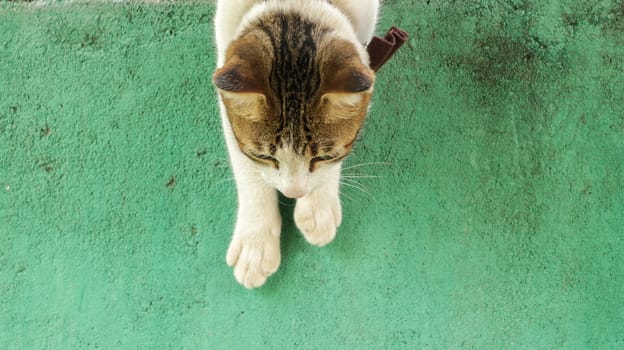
x=381 y=49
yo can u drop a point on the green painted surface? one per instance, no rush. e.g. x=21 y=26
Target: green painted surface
x=498 y=224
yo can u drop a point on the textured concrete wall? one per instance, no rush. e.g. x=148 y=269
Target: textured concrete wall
x=496 y=220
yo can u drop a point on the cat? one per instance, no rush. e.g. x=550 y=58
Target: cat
x=294 y=88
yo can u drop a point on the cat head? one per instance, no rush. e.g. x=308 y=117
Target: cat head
x=296 y=97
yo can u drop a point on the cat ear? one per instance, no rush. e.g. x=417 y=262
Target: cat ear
x=237 y=76
x=343 y=70
x=352 y=78
x=242 y=71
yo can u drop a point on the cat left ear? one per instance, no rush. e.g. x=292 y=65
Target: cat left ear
x=351 y=79
x=344 y=72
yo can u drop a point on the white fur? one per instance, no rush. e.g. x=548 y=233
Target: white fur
x=255 y=248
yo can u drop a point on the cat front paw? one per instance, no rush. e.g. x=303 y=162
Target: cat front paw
x=317 y=216
x=254 y=253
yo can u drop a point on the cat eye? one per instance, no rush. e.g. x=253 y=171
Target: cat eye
x=322 y=158
x=315 y=160
x=264 y=158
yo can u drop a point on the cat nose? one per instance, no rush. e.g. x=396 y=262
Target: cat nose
x=294 y=182
x=294 y=192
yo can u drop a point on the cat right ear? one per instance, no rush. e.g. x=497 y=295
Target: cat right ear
x=242 y=71
x=237 y=76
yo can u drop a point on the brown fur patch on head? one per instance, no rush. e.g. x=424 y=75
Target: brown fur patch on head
x=287 y=83
x=347 y=90
x=242 y=82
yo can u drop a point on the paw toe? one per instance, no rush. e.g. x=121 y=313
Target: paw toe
x=271 y=260
x=233 y=252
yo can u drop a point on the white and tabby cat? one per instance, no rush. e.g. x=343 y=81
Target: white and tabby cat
x=294 y=88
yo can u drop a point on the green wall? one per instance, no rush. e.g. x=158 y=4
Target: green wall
x=495 y=220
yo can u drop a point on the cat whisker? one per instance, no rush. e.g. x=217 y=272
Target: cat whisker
x=359 y=176
x=222 y=166
x=356 y=185
x=355 y=182
x=221 y=163
x=367 y=164
x=342 y=194
x=230 y=179
x=249 y=178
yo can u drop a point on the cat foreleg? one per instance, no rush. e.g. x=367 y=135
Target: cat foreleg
x=254 y=251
